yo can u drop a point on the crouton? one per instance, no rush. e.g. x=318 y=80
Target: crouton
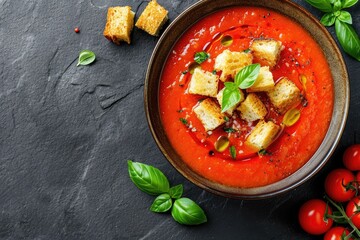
x=119 y=24
x=219 y=97
x=231 y=62
x=263 y=135
x=209 y=113
x=252 y=108
x=266 y=51
x=284 y=95
x=264 y=82
x=152 y=18
x=203 y=83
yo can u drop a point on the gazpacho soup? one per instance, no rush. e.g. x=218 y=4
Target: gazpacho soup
x=246 y=97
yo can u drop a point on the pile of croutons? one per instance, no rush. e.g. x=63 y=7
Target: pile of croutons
x=120 y=21
x=283 y=95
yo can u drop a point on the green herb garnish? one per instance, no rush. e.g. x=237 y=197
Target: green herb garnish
x=152 y=181
x=263 y=152
x=245 y=78
x=226 y=119
x=176 y=191
x=247 y=50
x=233 y=152
x=334 y=14
x=186 y=211
x=148 y=179
x=201 y=57
x=86 y=57
x=184 y=121
x=162 y=203
x=214 y=72
x=229 y=130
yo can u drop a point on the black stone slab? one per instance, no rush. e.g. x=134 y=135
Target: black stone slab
x=66 y=133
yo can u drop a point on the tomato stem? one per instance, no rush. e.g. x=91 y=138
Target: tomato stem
x=341 y=210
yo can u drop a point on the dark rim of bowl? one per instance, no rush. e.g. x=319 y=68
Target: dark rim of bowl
x=340 y=109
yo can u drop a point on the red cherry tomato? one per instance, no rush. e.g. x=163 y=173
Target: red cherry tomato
x=312 y=217
x=352 y=211
x=338 y=185
x=351 y=157
x=337 y=233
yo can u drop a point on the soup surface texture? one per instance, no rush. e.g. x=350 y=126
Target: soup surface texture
x=301 y=61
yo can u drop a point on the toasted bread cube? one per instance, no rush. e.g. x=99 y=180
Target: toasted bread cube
x=152 y=18
x=119 y=24
x=284 y=95
x=263 y=135
x=252 y=108
x=219 y=97
x=264 y=82
x=203 y=83
x=231 y=62
x=209 y=113
x=266 y=51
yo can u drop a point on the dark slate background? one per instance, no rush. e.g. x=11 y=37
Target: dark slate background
x=66 y=133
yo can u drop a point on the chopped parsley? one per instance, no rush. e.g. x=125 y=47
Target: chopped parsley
x=201 y=57
x=184 y=121
x=229 y=130
x=247 y=50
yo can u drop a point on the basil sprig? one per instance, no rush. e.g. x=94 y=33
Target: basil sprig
x=148 y=179
x=152 y=181
x=86 y=57
x=186 y=211
x=334 y=14
x=201 y=57
x=244 y=79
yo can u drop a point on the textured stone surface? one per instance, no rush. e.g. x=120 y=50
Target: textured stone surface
x=66 y=133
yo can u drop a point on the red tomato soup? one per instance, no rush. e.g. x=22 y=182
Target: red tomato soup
x=301 y=61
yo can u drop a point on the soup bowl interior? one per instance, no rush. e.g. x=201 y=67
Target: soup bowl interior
x=341 y=95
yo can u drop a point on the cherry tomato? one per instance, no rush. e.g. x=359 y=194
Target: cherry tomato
x=336 y=233
x=339 y=186
x=351 y=157
x=352 y=211
x=312 y=217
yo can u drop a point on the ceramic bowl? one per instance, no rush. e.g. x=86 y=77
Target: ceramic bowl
x=341 y=90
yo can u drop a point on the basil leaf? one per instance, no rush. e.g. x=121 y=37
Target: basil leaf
x=147 y=178
x=162 y=203
x=337 y=6
x=322 y=5
x=176 y=191
x=328 y=19
x=86 y=57
x=186 y=211
x=247 y=76
x=348 y=3
x=345 y=17
x=231 y=97
x=233 y=152
x=201 y=57
x=348 y=39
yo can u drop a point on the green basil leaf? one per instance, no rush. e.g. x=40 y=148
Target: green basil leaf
x=348 y=39
x=233 y=152
x=86 y=57
x=348 y=3
x=176 y=191
x=322 y=5
x=201 y=57
x=337 y=6
x=148 y=179
x=345 y=17
x=247 y=76
x=162 y=203
x=328 y=19
x=231 y=97
x=186 y=211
